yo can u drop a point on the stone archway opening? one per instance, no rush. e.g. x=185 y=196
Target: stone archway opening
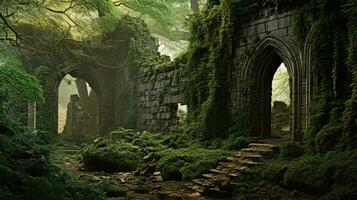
x=280 y=102
x=258 y=75
x=78 y=106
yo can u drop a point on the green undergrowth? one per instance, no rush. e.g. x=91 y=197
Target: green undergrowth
x=124 y=149
x=177 y=156
x=329 y=176
x=290 y=150
x=234 y=142
x=27 y=172
x=188 y=163
x=112 y=156
x=333 y=176
x=333 y=54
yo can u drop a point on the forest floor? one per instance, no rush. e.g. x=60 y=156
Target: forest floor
x=136 y=187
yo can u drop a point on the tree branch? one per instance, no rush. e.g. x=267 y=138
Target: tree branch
x=6 y=25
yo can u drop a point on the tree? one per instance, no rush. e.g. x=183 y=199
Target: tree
x=15 y=84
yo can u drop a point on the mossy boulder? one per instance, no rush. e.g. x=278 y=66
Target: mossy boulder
x=112 y=156
x=323 y=175
x=290 y=151
x=188 y=163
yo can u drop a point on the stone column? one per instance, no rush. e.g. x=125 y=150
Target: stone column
x=31 y=115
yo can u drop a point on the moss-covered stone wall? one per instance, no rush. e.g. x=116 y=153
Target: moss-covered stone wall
x=159 y=95
x=237 y=45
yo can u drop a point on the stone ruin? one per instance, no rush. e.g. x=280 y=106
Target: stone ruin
x=265 y=41
x=78 y=120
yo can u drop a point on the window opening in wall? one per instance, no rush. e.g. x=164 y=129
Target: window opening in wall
x=181 y=113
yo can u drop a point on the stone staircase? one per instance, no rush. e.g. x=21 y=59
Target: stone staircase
x=219 y=181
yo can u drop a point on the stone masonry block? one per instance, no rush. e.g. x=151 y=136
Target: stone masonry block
x=261 y=28
x=284 y=22
x=252 y=30
x=281 y=32
x=272 y=25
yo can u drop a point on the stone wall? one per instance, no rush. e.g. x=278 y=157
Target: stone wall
x=158 y=99
x=265 y=40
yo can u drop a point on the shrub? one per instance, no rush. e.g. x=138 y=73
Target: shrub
x=319 y=175
x=188 y=163
x=237 y=143
x=290 y=151
x=327 y=138
x=27 y=172
x=112 y=157
x=274 y=174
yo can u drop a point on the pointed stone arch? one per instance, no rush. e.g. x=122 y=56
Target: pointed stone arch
x=258 y=72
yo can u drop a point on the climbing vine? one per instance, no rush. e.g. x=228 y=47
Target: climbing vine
x=208 y=59
x=334 y=30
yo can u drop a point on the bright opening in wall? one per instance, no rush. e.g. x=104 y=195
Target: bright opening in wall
x=181 y=112
x=77 y=106
x=281 y=85
x=281 y=101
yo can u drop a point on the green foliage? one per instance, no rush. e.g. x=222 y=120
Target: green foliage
x=142 y=55
x=15 y=84
x=27 y=173
x=112 y=157
x=188 y=163
x=234 y=142
x=333 y=65
x=320 y=175
x=328 y=137
x=274 y=174
x=178 y=157
x=290 y=151
x=110 y=189
x=237 y=143
x=209 y=55
x=151 y=142
x=350 y=113
x=280 y=117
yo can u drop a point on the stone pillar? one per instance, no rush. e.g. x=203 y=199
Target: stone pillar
x=31 y=115
x=47 y=114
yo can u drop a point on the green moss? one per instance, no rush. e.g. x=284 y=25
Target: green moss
x=27 y=172
x=328 y=137
x=209 y=56
x=333 y=58
x=188 y=163
x=112 y=157
x=320 y=175
x=290 y=151
x=274 y=174
x=237 y=143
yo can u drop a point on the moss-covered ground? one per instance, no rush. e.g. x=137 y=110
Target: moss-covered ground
x=292 y=173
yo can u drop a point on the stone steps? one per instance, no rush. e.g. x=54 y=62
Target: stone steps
x=219 y=181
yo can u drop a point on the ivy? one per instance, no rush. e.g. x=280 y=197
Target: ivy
x=209 y=55
x=334 y=69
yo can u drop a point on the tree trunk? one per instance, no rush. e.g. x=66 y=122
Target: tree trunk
x=195 y=6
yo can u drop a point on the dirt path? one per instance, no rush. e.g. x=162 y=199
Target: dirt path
x=135 y=187
x=216 y=182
